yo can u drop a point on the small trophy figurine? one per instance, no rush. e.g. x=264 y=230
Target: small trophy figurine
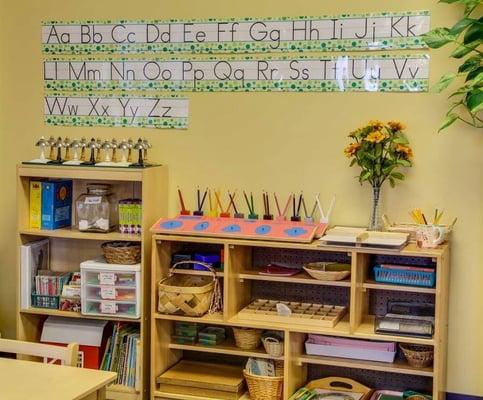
x=124 y=147
x=114 y=148
x=75 y=144
x=83 y=144
x=147 y=146
x=99 y=147
x=67 y=144
x=59 y=143
x=140 y=147
x=92 y=145
x=130 y=145
x=41 y=144
x=51 y=142
x=106 y=146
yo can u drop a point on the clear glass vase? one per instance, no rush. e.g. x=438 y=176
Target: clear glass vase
x=375 y=222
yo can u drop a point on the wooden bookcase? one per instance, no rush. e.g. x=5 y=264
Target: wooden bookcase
x=360 y=293
x=68 y=246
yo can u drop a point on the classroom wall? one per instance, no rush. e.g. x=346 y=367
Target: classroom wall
x=274 y=141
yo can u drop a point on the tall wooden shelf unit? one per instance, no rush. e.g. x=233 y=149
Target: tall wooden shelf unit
x=360 y=293
x=68 y=246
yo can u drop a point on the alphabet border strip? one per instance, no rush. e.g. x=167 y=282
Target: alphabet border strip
x=75 y=109
x=395 y=81
x=101 y=45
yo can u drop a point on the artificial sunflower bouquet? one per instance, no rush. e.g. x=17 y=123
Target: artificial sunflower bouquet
x=381 y=150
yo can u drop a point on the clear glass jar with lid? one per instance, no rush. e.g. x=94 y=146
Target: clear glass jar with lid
x=97 y=209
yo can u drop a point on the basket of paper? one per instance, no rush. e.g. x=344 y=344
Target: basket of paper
x=190 y=295
x=264 y=379
x=324 y=271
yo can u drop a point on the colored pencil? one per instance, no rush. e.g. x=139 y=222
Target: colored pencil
x=251 y=201
x=278 y=205
x=248 y=203
x=299 y=204
x=305 y=208
x=232 y=202
x=203 y=199
x=217 y=196
x=181 y=200
x=287 y=204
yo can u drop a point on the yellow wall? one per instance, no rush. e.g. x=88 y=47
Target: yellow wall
x=273 y=141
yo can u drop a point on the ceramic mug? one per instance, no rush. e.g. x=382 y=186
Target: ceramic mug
x=430 y=236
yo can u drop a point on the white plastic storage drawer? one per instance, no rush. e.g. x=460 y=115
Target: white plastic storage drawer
x=110 y=289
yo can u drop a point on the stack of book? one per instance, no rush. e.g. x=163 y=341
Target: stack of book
x=122 y=354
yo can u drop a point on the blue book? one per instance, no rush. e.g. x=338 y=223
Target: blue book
x=56 y=204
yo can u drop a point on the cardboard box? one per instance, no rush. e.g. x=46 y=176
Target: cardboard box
x=35 y=205
x=56 y=204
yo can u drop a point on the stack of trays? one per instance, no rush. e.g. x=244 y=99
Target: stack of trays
x=211 y=336
x=185 y=333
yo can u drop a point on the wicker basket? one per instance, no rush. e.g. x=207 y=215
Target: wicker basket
x=273 y=346
x=323 y=271
x=247 y=338
x=418 y=356
x=264 y=387
x=189 y=295
x=126 y=253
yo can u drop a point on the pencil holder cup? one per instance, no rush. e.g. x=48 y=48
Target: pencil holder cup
x=430 y=236
x=198 y=213
x=239 y=215
x=184 y=212
x=252 y=216
x=280 y=218
x=295 y=219
x=225 y=215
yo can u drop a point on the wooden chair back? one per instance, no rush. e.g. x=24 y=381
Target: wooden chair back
x=50 y=353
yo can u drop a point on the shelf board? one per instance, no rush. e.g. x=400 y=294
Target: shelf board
x=301 y=277
x=168 y=395
x=227 y=347
x=366 y=331
x=121 y=392
x=195 y=272
x=80 y=172
x=73 y=233
x=341 y=329
x=411 y=249
x=73 y=314
x=371 y=284
x=399 y=366
x=205 y=319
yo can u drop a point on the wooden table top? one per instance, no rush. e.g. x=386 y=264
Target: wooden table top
x=20 y=380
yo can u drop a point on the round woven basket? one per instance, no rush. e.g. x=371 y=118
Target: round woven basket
x=264 y=387
x=418 y=355
x=273 y=346
x=247 y=338
x=122 y=252
x=190 y=295
x=323 y=271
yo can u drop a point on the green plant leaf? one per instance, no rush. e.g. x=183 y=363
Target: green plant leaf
x=404 y=163
x=450 y=118
x=444 y=82
x=473 y=74
x=378 y=152
x=470 y=64
x=354 y=160
x=463 y=49
x=392 y=182
x=398 y=175
x=474 y=32
x=474 y=100
x=461 y=25
x=401 y=140
x=364 y=176
x=438 y=37
x=447 y=1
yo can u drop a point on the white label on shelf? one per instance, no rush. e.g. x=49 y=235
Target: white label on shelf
x=93 y=200
x=107 y=278
x=108 y=292
x=108 y=307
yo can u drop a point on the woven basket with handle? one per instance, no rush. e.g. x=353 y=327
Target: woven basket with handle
x=189 y=295
x=273 y=346
x=265 y=387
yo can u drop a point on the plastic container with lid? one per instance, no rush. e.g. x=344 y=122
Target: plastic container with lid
x=96 y=209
